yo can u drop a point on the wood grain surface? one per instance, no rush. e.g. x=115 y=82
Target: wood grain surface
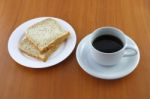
x=67 y=80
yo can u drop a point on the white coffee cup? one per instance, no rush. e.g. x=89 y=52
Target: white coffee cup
x=110 y=59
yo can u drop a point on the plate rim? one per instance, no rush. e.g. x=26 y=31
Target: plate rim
x=46 y=65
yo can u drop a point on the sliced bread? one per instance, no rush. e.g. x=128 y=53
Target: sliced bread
x=28 y=48
x=46 y=34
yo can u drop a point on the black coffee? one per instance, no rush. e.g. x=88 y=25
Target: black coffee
x=107 y=43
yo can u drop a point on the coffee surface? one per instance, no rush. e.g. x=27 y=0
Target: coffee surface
x=107 y=43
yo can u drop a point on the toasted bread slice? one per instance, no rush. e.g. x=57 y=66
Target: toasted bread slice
x=46 y=34
x=28 y=48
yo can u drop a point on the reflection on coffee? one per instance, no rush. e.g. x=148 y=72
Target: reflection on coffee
x=107 y=43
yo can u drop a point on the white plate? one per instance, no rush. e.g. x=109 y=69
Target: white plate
x=58 y=56
x=125 y=67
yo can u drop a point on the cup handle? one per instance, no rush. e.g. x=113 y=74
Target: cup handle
x=130 y=51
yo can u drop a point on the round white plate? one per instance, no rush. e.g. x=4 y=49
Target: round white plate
x=58 y=56
x=125 y=67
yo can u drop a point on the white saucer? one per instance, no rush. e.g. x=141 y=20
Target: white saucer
x=125 y=67
x=58 y=56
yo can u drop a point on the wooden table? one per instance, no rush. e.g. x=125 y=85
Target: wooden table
x=67 y=80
